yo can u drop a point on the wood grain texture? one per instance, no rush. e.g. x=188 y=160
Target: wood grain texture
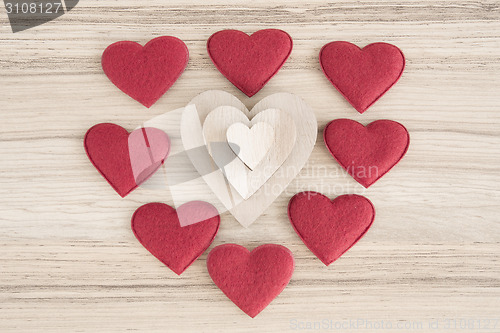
x=69 y=261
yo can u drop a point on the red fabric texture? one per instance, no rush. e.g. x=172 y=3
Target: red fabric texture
x=145 y=73
x=249 y=62
x=364 y=75
x=251 y=279
x=366 y=153
x=107 y=147
x=156 y=226
x=329 y=228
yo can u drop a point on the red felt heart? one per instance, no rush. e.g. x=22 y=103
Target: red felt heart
x=251 y=279
x=330 y=227
x=158 y=228
x=145 y=73
x=249 y=62
x=126 y=160
x=362 y=76
x=366 y=153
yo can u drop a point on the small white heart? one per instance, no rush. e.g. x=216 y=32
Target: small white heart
x=245 y=181
x=253 y=143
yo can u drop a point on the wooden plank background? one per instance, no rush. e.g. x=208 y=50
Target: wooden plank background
x=69 y=261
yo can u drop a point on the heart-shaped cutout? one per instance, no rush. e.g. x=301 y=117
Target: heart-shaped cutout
x=249 y=62
x=145 y=73
x=126 y=160
x=330 y=227
x=364 y=75
x=366 y=153
x=246 y=182
x=159 y=228
x=253 y=143
x=251 y=280
x=247 y=211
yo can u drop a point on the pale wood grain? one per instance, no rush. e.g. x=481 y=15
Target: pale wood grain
x=69 y=261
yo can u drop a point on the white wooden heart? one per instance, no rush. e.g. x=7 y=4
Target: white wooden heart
x=247 y=211
x=245 y=181
x=253 y=143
